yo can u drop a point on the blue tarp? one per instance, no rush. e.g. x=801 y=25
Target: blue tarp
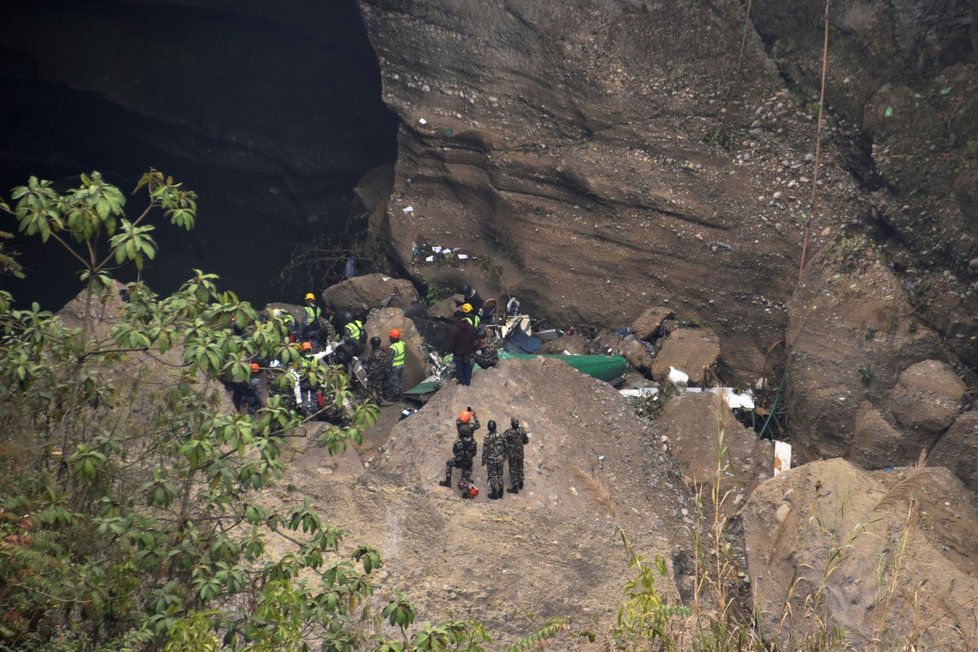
x=519 y=342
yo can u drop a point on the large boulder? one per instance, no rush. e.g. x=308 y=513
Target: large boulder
x=692 y=350
x=957 y=449
x=649 y=322
x=887 y=558
x=362 y=293
x=851 y=333
x=696 y=426
x=926 y=398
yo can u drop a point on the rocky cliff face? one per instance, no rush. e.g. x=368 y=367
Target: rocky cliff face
x=601 y=156
x=904 y=74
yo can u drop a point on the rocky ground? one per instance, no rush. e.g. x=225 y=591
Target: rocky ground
x=592 y=467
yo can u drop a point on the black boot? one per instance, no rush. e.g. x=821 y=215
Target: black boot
x=447 y=482
x=514 y=489
x=521 y=484
x=493 y=495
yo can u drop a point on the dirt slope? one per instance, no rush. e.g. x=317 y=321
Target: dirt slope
x=549 y=551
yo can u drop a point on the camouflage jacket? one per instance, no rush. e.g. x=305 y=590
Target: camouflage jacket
x=464 y=448
x=377 y=362
x=516 y=439
x=494 y=448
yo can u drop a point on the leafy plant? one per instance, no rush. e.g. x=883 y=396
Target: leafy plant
x=128 y=513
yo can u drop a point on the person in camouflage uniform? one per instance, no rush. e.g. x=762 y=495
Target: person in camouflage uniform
x=516 y=439
x=493 y=457
x=488 y=355
x=464 y=449
x=376 y=367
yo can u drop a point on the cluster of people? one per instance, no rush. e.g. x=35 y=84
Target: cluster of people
x=385 y=367
x=321 y=337
x=498 y=450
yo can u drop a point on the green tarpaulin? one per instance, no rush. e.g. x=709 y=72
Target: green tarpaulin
x=602 y=367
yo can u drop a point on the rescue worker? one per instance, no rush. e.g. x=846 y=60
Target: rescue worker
x=464 y=448
x=251 y=391
x=516 y=439
x=395 y=370
x=354 y=333
x=288 y=320
x=376 y=368
x=488 y=355
x=471 y=297
x=312 y=319
x=328 y=324
x=461 y=344
x=493 y=457
x=308 y=364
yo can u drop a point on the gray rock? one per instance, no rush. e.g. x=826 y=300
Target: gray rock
x=692 y=350
x=648 y=323
x=927 y=397
x=362 y=293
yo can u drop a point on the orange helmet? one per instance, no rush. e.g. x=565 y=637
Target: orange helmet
x=255 y=367
x=394 y=334
x=307 y=346
x=464 y=416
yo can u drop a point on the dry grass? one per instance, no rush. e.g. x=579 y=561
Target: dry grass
x=598 y=490
x=789 y=524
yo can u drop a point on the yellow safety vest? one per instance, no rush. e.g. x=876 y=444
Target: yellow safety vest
x=312 y=314
x=398 y=349
x=354 y=329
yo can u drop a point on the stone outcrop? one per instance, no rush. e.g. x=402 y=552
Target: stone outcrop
x=693 y=424
x=640 y=167
x=903 y=75
x=851 y=333
x=691 y=350
x=361 y=293
x=957 y=449
x=838 y=542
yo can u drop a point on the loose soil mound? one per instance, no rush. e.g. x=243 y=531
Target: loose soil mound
x=591 y=466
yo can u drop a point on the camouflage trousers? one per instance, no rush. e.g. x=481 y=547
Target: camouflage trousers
x=394 y=376
x=463 y=463
x=375 y=387
x=495 y=472
x=516 y=470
